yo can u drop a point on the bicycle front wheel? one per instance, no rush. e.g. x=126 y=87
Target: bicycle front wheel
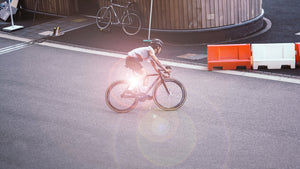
x=131 y=24
x=169 y=101
x=103 y=18
x=116 y=98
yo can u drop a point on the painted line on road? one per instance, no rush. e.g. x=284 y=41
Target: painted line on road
x=261 y=76
x=11 y=37
x=175 y=64
x=118 y=55
x=12 y=48
x=83 y=50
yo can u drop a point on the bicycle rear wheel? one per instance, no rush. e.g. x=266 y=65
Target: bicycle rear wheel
x=103 y=18
x=116 y=98
x=131 y=24
x=172 y=101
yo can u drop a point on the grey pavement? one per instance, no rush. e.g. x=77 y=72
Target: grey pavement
x=53 y=115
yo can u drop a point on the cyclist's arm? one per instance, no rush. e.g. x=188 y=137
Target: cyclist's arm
x=155 y=59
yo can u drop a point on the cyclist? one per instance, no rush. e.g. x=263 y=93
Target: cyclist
x=149 y=54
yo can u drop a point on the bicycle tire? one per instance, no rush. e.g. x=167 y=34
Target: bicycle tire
x=131 y=24
x=173 y=101
x=114 y=99
x=103 y=18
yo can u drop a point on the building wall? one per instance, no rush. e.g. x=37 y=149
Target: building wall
x=58 y=7
x=196 y=14
x=172 y=14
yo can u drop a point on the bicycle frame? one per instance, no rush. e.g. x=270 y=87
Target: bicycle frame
x=125 y=11
x=122 y=96
x=159 y=79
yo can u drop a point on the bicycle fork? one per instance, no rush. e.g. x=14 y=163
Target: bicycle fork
x=165 y=85
x=167 y=90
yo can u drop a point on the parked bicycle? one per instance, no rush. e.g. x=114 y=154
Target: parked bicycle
x=130 y=21
x=168 y=94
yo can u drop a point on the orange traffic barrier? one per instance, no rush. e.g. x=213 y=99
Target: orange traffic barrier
x=297 y=47
x=229 y=57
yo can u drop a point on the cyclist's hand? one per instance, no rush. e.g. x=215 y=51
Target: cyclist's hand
x=167 y=72
x=168 y=69
x=166 y=75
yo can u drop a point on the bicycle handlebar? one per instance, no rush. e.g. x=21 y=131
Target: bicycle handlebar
x=160 y=70
x=164 y=72
x=129 y=3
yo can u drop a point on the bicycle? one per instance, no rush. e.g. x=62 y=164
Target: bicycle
x=168 y=94
x=131 y=22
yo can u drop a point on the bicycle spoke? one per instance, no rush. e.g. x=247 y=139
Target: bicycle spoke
x=117 y=98
x=131 y=24
x=172 y=100
x=130 y=21
x=103 y=18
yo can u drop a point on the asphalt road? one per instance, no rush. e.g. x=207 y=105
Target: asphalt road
x=285 y=24
x=53 y=115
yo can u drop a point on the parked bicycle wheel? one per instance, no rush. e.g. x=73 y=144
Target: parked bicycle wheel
x=117 y=99
x=103 y=18
x=172 y=101
x=131 y=24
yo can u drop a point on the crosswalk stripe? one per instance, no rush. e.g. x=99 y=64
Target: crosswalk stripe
x=12 y=48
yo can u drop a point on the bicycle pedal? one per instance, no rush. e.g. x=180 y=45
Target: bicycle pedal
x=149 y=97
x=145 y=97
x=129 y=94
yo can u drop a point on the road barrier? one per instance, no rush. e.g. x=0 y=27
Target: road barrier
x=297 y=47
x=229 y=57
x=274 y=56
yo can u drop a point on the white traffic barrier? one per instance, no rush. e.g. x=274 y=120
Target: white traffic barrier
x=273 y=55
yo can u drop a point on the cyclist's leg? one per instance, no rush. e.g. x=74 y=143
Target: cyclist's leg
x=135 y=65
x=144 y=76
x=142 y=73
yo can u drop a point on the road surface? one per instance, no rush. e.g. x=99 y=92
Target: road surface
x=53 y=115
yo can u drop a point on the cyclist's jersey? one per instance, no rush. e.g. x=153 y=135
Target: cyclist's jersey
x=141 y=53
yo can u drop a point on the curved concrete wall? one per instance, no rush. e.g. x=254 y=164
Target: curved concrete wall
x=196 y=14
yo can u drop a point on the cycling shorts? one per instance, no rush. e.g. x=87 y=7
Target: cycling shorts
x=134 y=64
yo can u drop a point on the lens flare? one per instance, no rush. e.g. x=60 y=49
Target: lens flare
x=162 y=139
x=134 y=82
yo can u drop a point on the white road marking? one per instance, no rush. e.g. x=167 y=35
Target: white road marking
x=261 y=76
x=83 y=50
x=11 y=37
x=297 y=33
x=46 y=33
x=175 y=64
x=13 y=48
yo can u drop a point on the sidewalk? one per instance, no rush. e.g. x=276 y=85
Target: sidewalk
x=45 y=29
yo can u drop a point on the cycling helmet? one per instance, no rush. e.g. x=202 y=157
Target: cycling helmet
x=156 y=43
